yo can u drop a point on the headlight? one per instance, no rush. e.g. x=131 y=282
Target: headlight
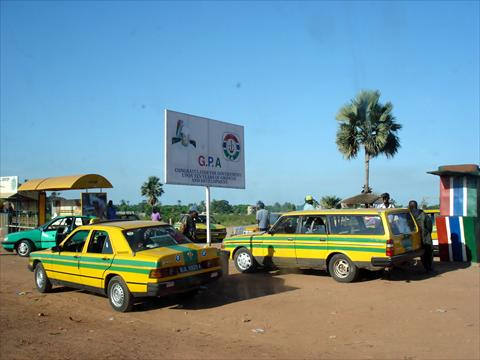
x=5 y=238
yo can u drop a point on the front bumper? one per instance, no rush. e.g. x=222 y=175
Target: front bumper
x=397 y=259
x=8 y=247
x=181 y=285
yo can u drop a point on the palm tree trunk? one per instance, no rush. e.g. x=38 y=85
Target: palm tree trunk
x=367 y=171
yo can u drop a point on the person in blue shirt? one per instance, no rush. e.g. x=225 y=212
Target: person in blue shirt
x=111 y=212
x=310 y=203
x=263 y=217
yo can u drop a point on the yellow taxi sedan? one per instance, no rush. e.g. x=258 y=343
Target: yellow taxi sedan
x=126 y=260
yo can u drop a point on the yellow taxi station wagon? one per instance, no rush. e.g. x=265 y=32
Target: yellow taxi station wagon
x=341 y=241
x=126 y=260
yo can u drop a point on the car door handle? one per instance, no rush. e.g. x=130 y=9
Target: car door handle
x=289 y=239
x=322 y=239
x=76 y=256
x=105 y=258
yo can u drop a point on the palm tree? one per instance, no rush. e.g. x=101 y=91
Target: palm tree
x=329 y=202
x=152 y=189
x=368 y=124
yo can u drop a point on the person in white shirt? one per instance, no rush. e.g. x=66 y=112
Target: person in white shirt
x=386 y=202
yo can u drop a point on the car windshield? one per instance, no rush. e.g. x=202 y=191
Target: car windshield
x=147 y=238
x=202 y=219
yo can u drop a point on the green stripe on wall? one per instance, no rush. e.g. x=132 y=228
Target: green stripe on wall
x=472 y=196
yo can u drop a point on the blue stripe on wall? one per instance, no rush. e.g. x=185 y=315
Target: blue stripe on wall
x=455 y=236
x=457 y=196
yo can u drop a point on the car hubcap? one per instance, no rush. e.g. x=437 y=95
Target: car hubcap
x=23 y=248
x=341 y=268
x=244 y=261
x=40 y=278
x=117 y=295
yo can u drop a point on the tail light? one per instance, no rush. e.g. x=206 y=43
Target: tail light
x=162 y=273
x=390 y=247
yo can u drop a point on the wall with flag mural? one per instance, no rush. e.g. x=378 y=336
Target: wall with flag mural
x=458 y=226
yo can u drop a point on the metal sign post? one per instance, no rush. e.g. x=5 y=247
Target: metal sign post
x=207 y=209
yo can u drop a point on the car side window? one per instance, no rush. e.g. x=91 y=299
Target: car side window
x=313 y=225
x=78 y=221
x=286 y=225
x=76 y=241
x=56 y=224
x=356 y=225
x=100 y=243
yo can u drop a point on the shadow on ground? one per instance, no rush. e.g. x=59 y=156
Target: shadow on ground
x=231 y=289
x=416 y=272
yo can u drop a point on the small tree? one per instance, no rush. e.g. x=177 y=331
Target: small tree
x=329 y=202
x=152 y=189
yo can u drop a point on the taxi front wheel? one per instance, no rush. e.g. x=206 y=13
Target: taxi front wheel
x=41 y=279
x=342 y=269
x=244 y=261
x=119 y=296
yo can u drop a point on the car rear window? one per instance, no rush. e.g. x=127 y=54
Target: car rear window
x=356 y=225
x=147 y=238
x=401 y=223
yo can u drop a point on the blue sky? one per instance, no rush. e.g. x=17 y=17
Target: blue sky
x=84 y=86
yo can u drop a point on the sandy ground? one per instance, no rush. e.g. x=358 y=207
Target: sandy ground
x=282 y=314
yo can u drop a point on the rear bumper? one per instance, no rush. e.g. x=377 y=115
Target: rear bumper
x=397 y=259
x=180 y=285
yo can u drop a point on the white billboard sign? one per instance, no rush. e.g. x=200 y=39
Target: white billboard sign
x=8 y=186
x=203 y=152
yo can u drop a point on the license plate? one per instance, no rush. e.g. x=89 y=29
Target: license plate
x=194 y=267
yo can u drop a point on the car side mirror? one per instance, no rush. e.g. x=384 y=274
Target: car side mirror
x=271 y=232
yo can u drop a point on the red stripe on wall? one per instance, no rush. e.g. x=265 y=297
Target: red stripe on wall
x=445 y=196
x=442 y=238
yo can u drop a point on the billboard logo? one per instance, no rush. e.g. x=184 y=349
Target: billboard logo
x=182 y=135
x=231 y=146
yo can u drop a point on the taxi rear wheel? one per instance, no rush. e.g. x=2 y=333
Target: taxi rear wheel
x=42 y=282
x=342 y=269
x=244 y=261
x=119 y=296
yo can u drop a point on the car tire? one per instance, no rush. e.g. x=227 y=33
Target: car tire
x=244 y=261
x=42 y=282
x=119 y=296
x=342 y=269
x=24 y=248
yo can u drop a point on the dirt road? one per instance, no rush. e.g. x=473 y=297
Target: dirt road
x=283 y=315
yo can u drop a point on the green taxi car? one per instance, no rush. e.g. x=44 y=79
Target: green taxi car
x=43 y=237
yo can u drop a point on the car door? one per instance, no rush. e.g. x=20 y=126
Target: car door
x=96 y=258
x=66 y=261
x=279 y=243
x=311 y=242
x=49 y=233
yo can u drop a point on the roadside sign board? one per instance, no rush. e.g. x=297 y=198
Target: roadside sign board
x=8 y=186
x=203 y=152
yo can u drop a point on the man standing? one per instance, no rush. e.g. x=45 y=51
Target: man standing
x=263 y=217
x=188 y=226
x=425 y=226
x=310 y=203
x=385 y=202
x=111 y=212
